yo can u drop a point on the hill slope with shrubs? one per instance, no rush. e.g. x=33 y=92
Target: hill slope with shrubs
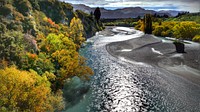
x=185 y=26
x=39 y=43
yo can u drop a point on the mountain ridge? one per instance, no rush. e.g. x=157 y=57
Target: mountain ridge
x=127 y=12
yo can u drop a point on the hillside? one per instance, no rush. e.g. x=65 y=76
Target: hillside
x=39 y=44
x=129 y=12
x=187 y=17
x=184 y=26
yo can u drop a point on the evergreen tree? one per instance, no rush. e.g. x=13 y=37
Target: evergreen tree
x=97 y=14
x=148 y=24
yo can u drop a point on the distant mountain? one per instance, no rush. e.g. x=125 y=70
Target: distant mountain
x=172 y=12
x=129 y=12
x=83 y=7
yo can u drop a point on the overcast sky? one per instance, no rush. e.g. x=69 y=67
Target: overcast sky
x=184 y=5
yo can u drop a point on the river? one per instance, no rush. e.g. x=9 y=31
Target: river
x=121 y=85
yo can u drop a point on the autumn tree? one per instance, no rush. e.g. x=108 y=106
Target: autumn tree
x=186 y=30
x=140 y=25
x=27 y=91
x=66 y=59
x=76 y=32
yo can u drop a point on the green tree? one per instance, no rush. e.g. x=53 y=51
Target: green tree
x=97 y=14
x=11 y=47
x=6 y=9
x=23 y=6
x=148 y=24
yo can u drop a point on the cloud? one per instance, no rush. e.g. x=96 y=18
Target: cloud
x=186 y=5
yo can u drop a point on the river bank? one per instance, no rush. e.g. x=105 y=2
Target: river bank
x=160 y=53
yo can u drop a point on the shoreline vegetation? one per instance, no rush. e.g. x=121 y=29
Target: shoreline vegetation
x=184 y=26
x=39 y=44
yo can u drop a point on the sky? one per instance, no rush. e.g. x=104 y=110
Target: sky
x=180 y=5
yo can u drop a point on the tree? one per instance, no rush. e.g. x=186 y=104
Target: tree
x=67 y=61
x=148 y=24
x=6 y=9
x=91 y=13
x=97 y=14
x=12 y=47
x=23 y=6
x=76 y=32
x=186 y=30
x=26 y=91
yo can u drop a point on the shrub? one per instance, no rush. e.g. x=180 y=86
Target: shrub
x=158 y=30
x=11 y=46
x=18 y=16
x=2 y=28
x=6 y=10
x=196 y=38
x=15 y=25
x=186 y=30
x=23 y=6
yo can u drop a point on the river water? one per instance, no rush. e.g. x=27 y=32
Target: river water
x=120 y=85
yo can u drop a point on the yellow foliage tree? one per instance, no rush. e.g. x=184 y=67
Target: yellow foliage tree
x=140 y=25
x=26 y=91
x=66 y=59
x=76 y=32
x=186 y=30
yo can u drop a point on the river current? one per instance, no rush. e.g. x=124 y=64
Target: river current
x=121 y=85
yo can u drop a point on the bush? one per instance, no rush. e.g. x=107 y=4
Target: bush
x=2 y=28
x=11 y=46
x=186 y=30
x=18 y=16
x=6 y=10
x=196 y=38
x=15 y=26
x=164 y=29
x=140 y=25
x=158 y=30
x=23 y=6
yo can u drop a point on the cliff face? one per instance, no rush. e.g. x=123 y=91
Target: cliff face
x=89 y=23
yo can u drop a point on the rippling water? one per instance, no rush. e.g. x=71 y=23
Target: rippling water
x=120 y=85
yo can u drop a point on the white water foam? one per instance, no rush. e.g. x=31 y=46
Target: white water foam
x=156 y=51
x=126 y=50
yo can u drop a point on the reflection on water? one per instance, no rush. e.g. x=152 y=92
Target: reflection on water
x=122 y=86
